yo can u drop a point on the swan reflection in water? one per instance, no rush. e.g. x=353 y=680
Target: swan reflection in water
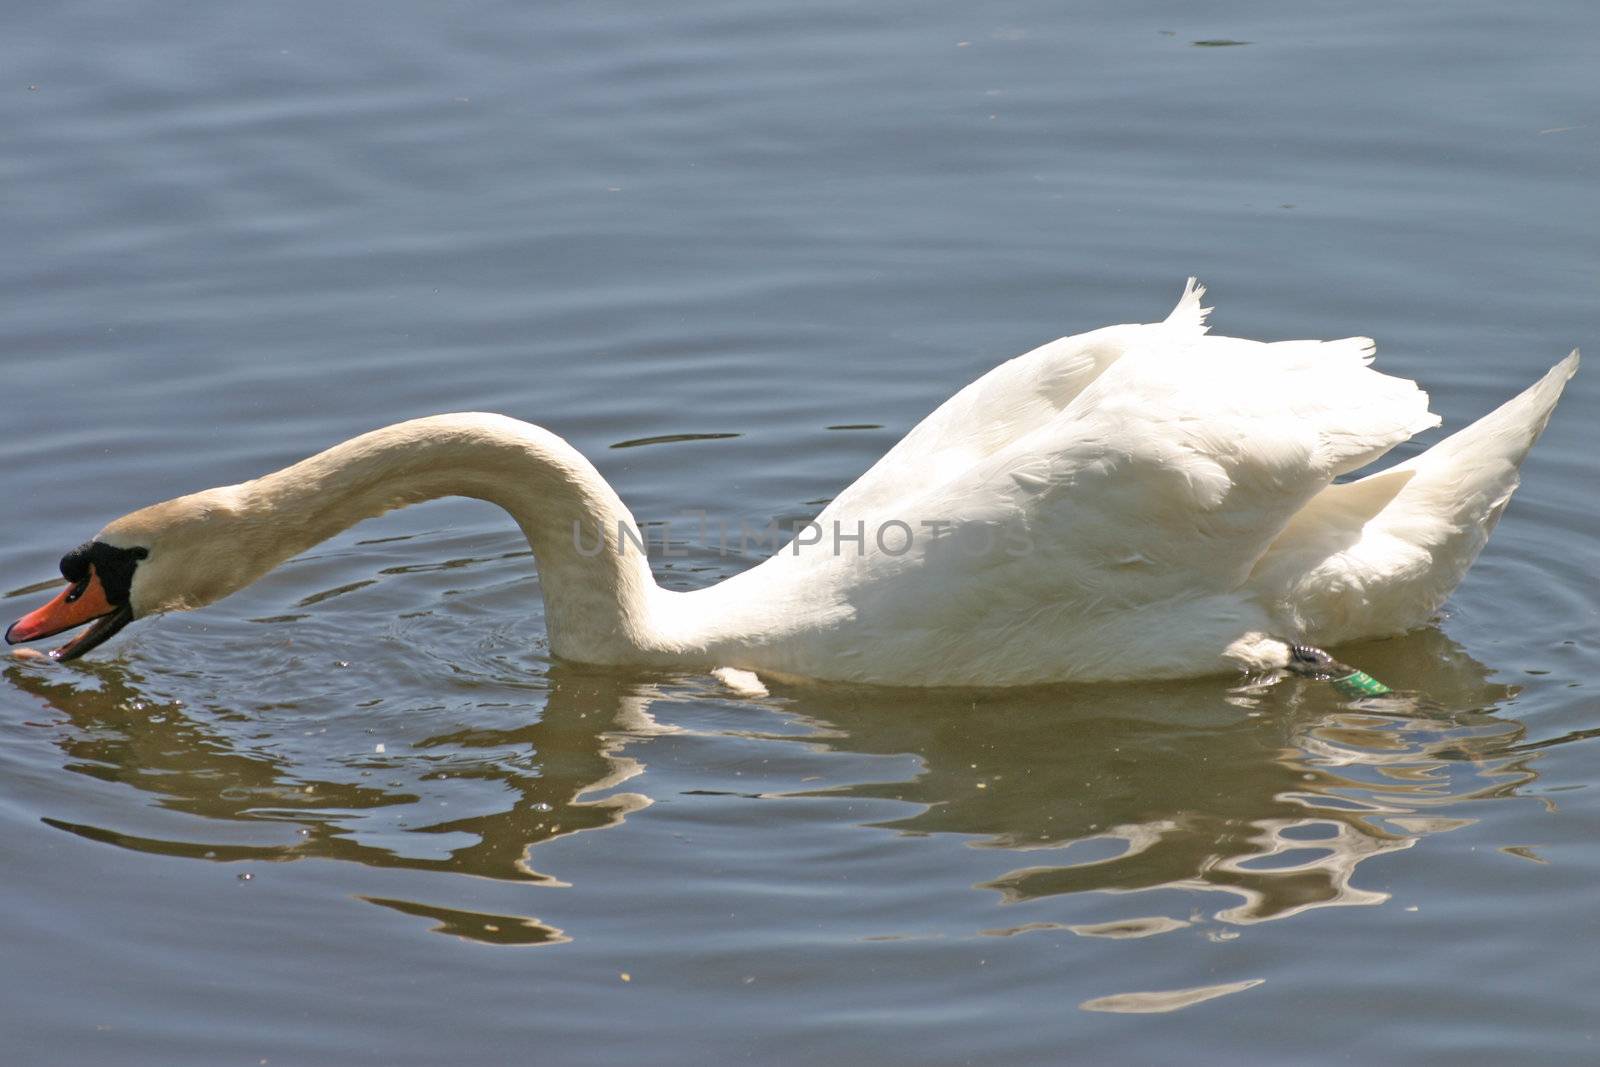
x=1271 y=797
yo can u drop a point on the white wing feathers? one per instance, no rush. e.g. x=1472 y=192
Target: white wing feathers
x=1012 y=400
x=1185 y=462
x=1144 y=462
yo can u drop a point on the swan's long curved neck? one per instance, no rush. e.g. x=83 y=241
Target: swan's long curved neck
x=598 y=597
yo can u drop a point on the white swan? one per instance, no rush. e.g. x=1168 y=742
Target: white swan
x=1142 y=501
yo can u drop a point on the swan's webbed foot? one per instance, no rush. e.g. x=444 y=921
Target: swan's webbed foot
x=1263 y=652
x=1310 y=662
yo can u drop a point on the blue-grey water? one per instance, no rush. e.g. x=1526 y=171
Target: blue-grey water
x=356 y=814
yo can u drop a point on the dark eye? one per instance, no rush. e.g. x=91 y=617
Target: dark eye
x=78 y=590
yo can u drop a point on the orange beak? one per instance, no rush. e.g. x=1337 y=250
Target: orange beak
x=79 y=603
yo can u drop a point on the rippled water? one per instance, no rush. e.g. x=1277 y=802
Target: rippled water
x=733 y=251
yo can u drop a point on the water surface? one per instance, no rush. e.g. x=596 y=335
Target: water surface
x=733 y=251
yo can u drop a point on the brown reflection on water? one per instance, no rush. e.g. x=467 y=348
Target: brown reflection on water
x=549 y=768
x=1272 y=797
x=477 y=925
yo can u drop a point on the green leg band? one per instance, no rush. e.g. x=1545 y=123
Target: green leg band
x=1359 y=684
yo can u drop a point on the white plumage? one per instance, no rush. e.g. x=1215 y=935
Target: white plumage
x=1141 y=501
x=1168 y=492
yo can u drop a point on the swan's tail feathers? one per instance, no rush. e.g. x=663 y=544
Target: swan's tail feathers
x=1460 y=486
x=1189 y=315
x=1503 y=437
x=1379 y=556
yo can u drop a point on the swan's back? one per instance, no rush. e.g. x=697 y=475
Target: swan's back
x=1010 y=401
x=1128 y=502
x=1138 y=462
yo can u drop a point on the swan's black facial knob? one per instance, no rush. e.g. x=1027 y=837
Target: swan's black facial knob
x=101 y=578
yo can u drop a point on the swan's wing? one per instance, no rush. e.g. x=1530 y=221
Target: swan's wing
x=1168 y=476
x=1013 y=400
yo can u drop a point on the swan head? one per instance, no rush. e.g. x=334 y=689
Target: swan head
x=99 y=591
x=169 y=557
